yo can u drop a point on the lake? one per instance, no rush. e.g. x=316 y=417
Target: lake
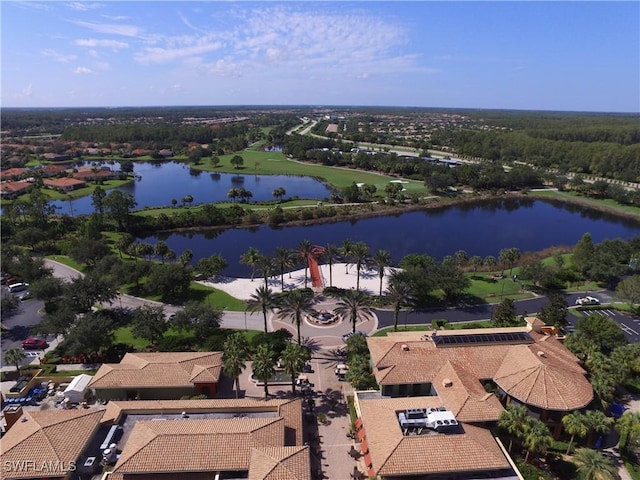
x=162 y=181
x=482 y=228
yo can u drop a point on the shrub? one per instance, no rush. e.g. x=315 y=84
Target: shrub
x=437 y=324
x=529 y=472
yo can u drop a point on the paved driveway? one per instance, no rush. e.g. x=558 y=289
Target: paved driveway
x=629 y=323
x=19 y=327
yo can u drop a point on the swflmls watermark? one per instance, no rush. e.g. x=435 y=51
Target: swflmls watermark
x=38 y=467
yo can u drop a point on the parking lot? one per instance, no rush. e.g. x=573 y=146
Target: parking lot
x=630 y=324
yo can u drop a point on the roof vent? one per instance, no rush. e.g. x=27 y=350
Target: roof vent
x=405 y=347
x=542 y=354
x=23 y=419
x=447 y=382
x=184 y=415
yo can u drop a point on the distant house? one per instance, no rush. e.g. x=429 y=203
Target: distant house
x=14 y=189
x=159 y=376
x=166 y=152
x=56 y=157
x=90 y=175
x=52 y=170
x=140 y=152
x=13 y=173
x=64 y=184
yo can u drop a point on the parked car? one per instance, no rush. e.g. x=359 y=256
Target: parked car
x=587 y=301
x=34 y=344
x=19 y=289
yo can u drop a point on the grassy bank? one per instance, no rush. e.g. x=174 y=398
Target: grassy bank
x=605 y=204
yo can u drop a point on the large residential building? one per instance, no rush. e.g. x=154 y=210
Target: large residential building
x=159 y=376
x=440 y=393
x=143 y=440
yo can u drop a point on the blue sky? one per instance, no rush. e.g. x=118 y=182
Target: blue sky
x=517 y=55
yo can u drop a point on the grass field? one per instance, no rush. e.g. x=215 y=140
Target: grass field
x=591 y=202
x=275 y=163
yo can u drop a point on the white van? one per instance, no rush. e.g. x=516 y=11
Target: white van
x=19 y=289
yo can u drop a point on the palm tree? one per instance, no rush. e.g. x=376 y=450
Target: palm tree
x=293 y=359
x=511 y=421
x=295 y=304
x=345 y=251
x=305 y=248
x=14 y=356
x=593 y=465
x=508 y=257
x=265 y=265
x=263 y=300
x=233 y=358
x=381 y=260
x=251 y=258
x=361 y=257
x=353 y=304
x=575 y=423
x=264 y=366
x=490 y=262
x=597 y=422
x=537 y=437
x=331 y=253
x=185 y=257
x=282 y=260
x=476 y=261
x=400 y=295
x=160 y=249
x=461 y=258
x=629 y=426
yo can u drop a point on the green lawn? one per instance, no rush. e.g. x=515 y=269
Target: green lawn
x=427 y=328
x=83 y=192
x=592 y=202
x=68 y=261
x=275 y=163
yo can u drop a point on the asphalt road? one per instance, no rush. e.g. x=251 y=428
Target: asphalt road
x=19 y=326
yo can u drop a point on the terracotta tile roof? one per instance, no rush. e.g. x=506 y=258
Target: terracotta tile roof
x=64 y=182
x=14 y=187
x=159 y=369
x=465 y=396
x=45 y=437
x=392 y=453
x=280 y=463
x=551 y=380
x=197 y=445
x=536 y=376
x=288 y=409
x=12 y=172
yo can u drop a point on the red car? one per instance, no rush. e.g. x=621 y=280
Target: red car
x=34 y=344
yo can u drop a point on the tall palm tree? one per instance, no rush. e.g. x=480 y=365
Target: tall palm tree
x=490 y=262
x=233 y=358
x=264 y=366
x=265 y=266
x=160 y=249
x=537 y=437
x=476 y=261
x=305 y=248
x=597 y=422
x=629 y=426
x=345 y=251
x=331 y=254
x=283 y=259
x=381 y=260
x=353 y=304
x=400 y=295
x=593 y=465
x=511 y=421
x=250 y=258
x=14 y=356
x=461 y=258
x=295 y=304
x=293 y=359
x=361 y=257
x=263 y=300
x=575 y=423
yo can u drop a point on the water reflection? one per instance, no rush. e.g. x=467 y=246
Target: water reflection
x=482 y=228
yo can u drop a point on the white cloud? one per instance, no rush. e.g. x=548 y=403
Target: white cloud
x=124 y=30
x=82 y=70
x=57 y=56
x=27 y=91
x=95 y=43
x=83 y=7
x=163 y=55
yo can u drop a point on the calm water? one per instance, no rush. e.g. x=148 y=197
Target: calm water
x=480 y=229
x=163 y=181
